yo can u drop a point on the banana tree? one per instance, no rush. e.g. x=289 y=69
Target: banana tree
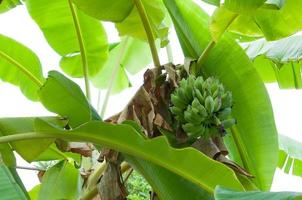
x=201 y=129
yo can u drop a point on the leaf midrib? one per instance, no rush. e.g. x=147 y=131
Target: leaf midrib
x=22 y=68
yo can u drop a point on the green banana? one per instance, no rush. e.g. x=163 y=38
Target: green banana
x=192 y=117
x=228 y=123
x=194 y=130
x=176 y=111
x=198 y=83
x=223 y=114
x=196 y=104
x=181 y=94
x=217 y=104
x=227 y=100
x=178 y=102
x=209 y=104
x=202 y=107
x=199 y=96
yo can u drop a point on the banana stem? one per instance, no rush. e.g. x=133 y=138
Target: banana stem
x=95 y=176
x=242 y=150
x=204 y=56
x=91 y=190
x=90 y=194
x=114 y=73
x=28 y=168
x=169 y=53
x=146 y=23
x=82 y=47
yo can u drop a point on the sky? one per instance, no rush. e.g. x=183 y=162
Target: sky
x=18 y=25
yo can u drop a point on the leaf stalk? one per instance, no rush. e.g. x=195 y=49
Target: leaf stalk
x=82 y=47
x=202 y=58
x=147 y=25
x=113 y=76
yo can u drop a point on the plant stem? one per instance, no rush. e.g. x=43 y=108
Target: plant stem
x=113 y=75
x=95 y=176
x=204 y=56
x=241 y=150
x=98 y=101
x=124 y=167
x=82 y=47
x=169 y=53
x=22 y=68
x=146 y=23
x=26 y=136
x=58 y=152
x=295 y=75
x=128 y=175
x=28 y=168
x=91 y=190
x=210 y=46
x=90 y=194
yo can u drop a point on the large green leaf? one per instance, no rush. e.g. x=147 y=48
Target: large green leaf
x=60 y=182
x=188 y=162
x=126 y=16
x=6 y=5
x=53 y=153
x=273 y=24
x=8 y=159
x=64 y=97
x=255 y=135
x=34 y=192
x=7 y=155
x=213 y=2
x=115 y=11
x=166 y=184
x=31 y=149
x=9 y=189
x=278 y=60
x=278 y=3
x=132 y=24
x=243 y=7
x=41 y=151
x=281 y=51
x=227 y=194
x=131 y=55
x=290 y=155
x=59 y=26
x=20 y=66
x=221 y=19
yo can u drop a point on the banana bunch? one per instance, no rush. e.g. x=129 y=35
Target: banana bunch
x=202 y=107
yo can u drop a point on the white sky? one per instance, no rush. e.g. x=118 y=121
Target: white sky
x=18 y=25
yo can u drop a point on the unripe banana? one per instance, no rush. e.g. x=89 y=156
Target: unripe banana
x=227 y=100
x=214 y=88
x=196 y=104
x=202 y=107
x=199 y=96
x=178 y=102
x=209 y=104
x=225 y=113
x=181 y=94
x=228 y=123
x=203 y=112
x=176 y=111
x=188 y=92
x=217 y=104
x=193 y=130
x=198 y=83
x=192 y=116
